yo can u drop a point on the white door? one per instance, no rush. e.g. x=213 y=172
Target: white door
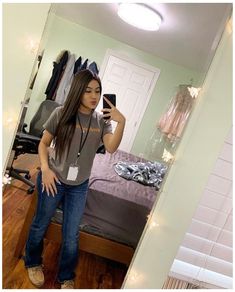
x=133 y=84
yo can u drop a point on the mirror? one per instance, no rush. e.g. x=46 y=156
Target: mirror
x=89 y=30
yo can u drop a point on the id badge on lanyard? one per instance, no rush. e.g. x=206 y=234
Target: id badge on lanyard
x=73 y=172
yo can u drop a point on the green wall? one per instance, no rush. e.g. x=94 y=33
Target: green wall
x=21 y=23
x=92 y=45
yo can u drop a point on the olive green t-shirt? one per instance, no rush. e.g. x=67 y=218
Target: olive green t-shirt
x=98 y=129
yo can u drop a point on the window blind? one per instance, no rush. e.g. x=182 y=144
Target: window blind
x=205 y=257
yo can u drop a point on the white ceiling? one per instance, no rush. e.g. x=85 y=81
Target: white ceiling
x=188 y=36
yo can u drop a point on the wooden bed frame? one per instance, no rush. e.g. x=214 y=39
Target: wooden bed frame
x=89 y=243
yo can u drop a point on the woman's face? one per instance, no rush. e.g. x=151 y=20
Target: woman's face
x=91 y=97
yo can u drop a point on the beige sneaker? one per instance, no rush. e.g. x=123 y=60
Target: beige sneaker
x=68 y=284
x=36 y=276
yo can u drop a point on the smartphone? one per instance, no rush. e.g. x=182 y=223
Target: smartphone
x=111 y=98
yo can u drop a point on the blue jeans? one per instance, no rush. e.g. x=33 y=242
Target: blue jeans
x=73 y=199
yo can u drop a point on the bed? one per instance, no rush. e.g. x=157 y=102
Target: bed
x=116 y=209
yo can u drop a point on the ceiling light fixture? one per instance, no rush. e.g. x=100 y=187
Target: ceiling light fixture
x=140 y=15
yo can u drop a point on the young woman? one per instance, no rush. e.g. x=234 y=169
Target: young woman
x=76 y=131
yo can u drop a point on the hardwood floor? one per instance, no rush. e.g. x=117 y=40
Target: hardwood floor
x=92 y=272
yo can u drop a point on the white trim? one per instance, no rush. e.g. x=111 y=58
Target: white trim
x=109 y=53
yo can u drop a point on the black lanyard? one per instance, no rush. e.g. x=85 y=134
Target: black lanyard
x=82 y=143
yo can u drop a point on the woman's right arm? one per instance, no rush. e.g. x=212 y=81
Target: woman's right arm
x=48 y=176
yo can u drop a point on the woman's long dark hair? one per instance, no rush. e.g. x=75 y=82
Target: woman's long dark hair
x=67 y=123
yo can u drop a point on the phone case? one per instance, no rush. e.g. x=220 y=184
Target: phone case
x=111 y=98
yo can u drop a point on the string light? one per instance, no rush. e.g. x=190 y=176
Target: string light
x=6 y=180
x=30 y=44
x=10 y=120
x=167 y=156
x=153 y=224
x=33 y=46
x=194 y=91
x=135 y=277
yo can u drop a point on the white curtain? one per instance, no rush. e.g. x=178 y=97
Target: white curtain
x=172 y=283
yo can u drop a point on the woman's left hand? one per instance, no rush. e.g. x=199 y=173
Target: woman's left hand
x=113 y=113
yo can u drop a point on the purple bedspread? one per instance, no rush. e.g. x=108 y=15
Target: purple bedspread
x=116 y=208
x=104 y=179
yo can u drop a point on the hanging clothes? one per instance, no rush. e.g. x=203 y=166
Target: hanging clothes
x=64 y=68
x=58 y=69
x=84 y=65
x=93 y=67
x=66 y=81
x=174 y=120
x=77 y=65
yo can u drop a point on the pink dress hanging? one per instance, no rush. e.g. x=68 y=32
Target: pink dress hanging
x=173 y=121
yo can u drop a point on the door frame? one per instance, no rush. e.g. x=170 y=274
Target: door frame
x=156 y=72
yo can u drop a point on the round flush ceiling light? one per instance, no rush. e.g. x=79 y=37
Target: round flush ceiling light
x=140 y=15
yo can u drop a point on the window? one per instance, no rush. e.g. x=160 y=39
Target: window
x=205 y=255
